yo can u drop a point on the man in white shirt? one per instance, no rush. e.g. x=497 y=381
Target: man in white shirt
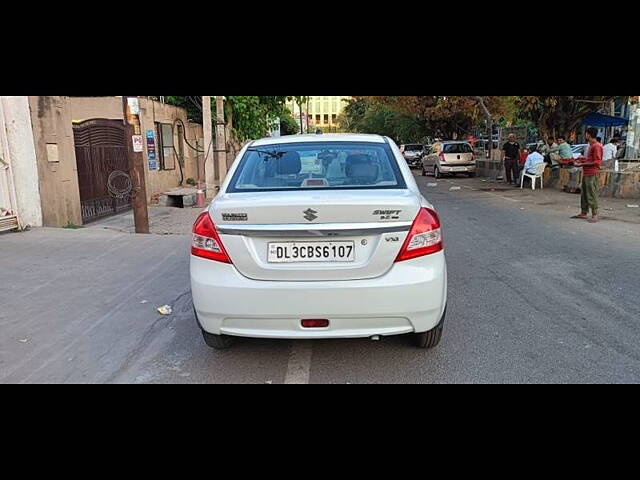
x=610 y=150
x=533 y=159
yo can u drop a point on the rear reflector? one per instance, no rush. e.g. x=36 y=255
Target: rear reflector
x=315 y=323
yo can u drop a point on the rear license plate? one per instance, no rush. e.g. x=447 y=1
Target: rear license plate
x=459 y=169
x=287 y=252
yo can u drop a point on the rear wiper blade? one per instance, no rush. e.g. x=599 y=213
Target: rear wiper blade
x=269 y=154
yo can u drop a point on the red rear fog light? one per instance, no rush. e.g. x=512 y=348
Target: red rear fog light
x=314 y=323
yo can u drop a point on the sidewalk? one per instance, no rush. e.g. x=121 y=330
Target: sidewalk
x=611 y=209
x=162 y=220
x=173 y=220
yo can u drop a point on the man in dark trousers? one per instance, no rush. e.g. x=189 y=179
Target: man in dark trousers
x=511 y=157
x=590 y=168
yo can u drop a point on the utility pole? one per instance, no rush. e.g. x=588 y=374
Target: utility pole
x=133 y=140
x=209 y=168
x=300 y=108
x=221 y=145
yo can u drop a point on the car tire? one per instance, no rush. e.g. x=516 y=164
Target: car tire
x=430 y=338
x=219 y=342
x=424 y=172
x=472 y=175
x=436 y=173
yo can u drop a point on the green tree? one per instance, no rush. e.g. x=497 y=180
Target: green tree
x=288 y=124
x=446 y=116
x=362 y=115
x=351 y=117
x=247 y=117
x=301 y=101
x=559 y=115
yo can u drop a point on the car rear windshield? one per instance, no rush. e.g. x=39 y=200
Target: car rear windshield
x=457 y=148
x=412 y=148
x=317 y=166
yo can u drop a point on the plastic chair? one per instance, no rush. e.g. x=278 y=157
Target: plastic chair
x=539 y=168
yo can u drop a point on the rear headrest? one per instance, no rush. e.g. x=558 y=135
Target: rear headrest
x=356 y=159
x=289 y=164
x=361 y=167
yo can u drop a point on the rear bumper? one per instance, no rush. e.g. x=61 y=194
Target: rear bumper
x=409 y=298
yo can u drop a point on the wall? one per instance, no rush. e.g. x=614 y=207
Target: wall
x=194 y=161
x=157 y=181
x=40 y=137
x=610 y=183
x=56 y=161
x=18 y=150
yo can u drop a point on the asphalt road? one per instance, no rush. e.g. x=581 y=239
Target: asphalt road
x=533 y=297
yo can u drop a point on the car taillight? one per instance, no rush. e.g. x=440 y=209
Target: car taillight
x=441 y=155
x=424 y=238
x=205 y=242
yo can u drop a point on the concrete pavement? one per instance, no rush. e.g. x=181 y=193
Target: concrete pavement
x=533 y=297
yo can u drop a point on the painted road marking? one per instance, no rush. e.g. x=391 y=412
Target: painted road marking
x=299 y=362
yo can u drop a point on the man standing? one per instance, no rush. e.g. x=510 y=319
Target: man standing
x=511 y=157
x=590 y=168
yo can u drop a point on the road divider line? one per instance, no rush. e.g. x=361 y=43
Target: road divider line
x=299 y=363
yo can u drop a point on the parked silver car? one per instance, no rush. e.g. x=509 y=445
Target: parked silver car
x=579 y=150
x=453 y=157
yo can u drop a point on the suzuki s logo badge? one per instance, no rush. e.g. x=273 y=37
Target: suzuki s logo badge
x=310 y=214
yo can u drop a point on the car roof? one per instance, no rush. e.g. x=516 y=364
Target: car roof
x=325 y=137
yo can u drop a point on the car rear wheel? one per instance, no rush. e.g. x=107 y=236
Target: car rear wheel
x=436 y=172
x=430 y=338
x=472 y=175
x=424 y=172
x=219 y=342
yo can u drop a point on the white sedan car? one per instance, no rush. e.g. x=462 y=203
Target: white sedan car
x=319 y=236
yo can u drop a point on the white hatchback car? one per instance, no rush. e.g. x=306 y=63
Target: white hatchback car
x=319 y=236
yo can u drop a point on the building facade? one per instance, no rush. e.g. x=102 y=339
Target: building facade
x=63 y=160
x=321 y=111
x=19 y=184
